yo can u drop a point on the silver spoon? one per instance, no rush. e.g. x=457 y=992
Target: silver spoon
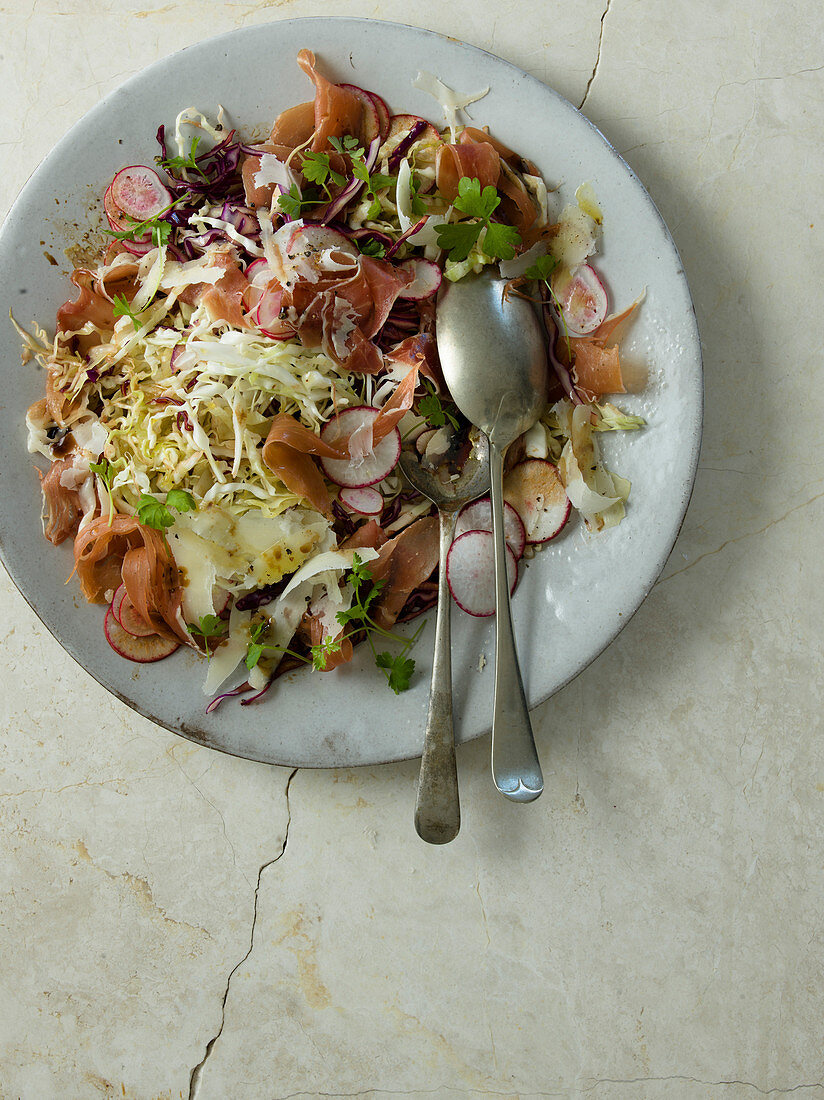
x=437 y=808
x=494 y=361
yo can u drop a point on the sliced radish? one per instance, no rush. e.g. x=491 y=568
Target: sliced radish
x=424 y=439
x=266 y=314
x=582 y=297
x=470 y=572
x=383 y=113
x=139 y=192
x=426 y=282
x=365 y=501
x=143 y=650
x=477 y=516
x=117 y=219
x=139 y=247
x=259 y=273
x=401 y=125
x=371 y=123
x=130 y=621
x=375 y=465
x=536 y=492
x=117 y=600
x=319 y=238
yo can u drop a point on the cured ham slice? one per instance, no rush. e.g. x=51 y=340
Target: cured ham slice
x=287 y=452
x=123 y=550
x=477 y=160
x=337 y=111
x=405 y=562
x=94 y=304
x=63 y=505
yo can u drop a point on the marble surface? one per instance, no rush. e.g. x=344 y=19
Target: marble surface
x=178 y=923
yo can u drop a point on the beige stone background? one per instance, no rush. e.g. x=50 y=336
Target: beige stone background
x=178 y=923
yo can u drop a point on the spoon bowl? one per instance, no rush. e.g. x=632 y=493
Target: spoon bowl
x=437 y=806
x=494 y=361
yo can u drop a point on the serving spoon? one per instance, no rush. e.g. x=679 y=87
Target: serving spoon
x=493 y=357
x=437 y=806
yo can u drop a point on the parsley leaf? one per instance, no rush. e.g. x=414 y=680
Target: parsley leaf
x=121 y=308
x=432 y=409
x=371 y=247
x=499 y=241
x=254 y=654
x=320 y=651
x=542 y=268
x=180 y=500
x=182 y=164
x=349 y=145
x=458 y=238
x=105 y=471
x=398 y=670
x=292 y=203
x=210 y=627
x=474 y=202
x=152 y=513
x=317 y=169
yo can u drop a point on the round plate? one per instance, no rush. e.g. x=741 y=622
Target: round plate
x=573 y=598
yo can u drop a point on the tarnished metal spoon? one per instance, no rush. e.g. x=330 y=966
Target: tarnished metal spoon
x=437 y=806
x=493 y=357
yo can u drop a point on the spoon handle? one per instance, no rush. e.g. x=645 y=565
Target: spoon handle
x=515 y=767
x=437 y=809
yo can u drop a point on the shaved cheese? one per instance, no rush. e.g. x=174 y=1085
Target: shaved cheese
x=339 y=560
x=274 y=171
x=575 y=240
x=225 y=658
x=451 y=101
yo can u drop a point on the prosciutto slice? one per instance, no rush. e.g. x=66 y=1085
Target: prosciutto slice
x=477 y=160
x=94 y=304
x=404 y=562
x=344 y=312
x=124 y=550
x=63 y=507
x=287 y=452
x=336 y=111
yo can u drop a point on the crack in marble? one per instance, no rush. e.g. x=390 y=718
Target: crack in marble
x=604 y=14
x=699 y=1081
x=739 y=538
x=196 y=1076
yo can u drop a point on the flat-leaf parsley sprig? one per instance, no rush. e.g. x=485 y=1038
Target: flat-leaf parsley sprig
x=211 y=627
x=458 y=238
x=397 y=669
x=153 y=513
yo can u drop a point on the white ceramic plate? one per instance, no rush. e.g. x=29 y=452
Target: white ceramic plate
x=573 y=599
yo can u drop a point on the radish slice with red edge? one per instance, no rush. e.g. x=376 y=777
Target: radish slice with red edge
x=376 y=464
x=130 y=621
x=319 y=238
x=477 y=516
x=143 y=650
x=139 y=192
x=582 y=297
x=383 y=114
x=426 y=282
x=365 y=501
x=536 y=492
x=117 y=600
x=266 y=314
x=371 y=123
x=470 y=572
